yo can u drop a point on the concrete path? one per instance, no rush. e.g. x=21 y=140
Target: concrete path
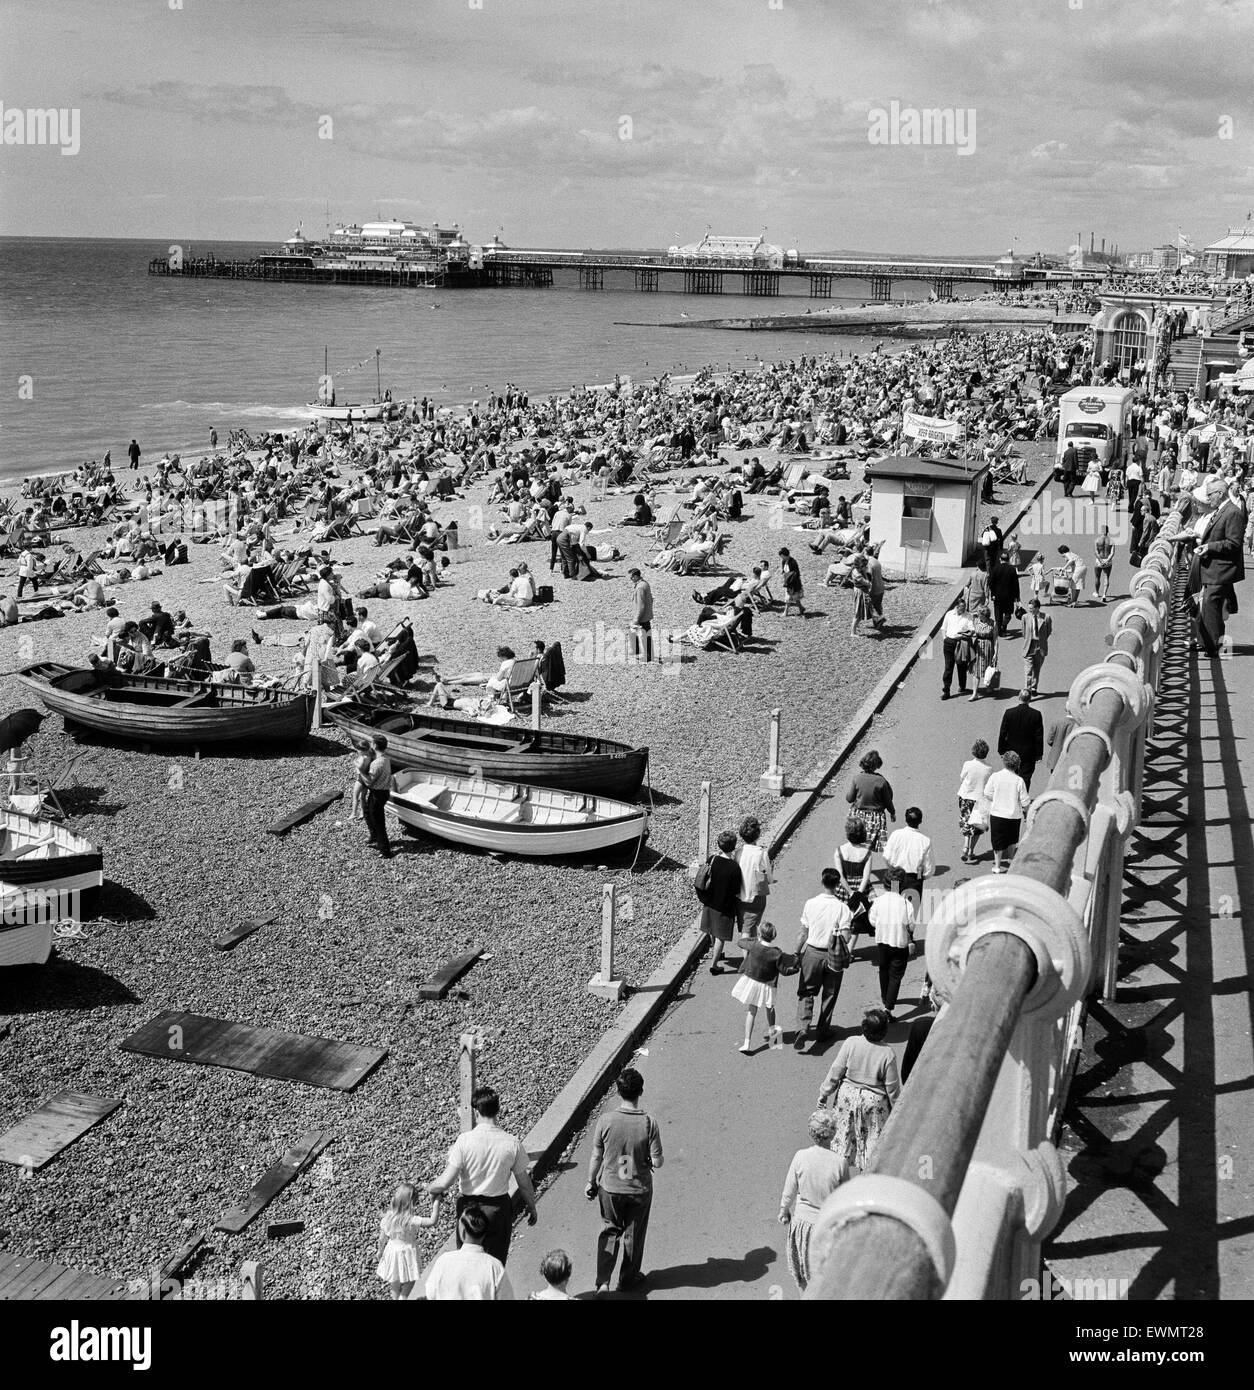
x=730 y=1123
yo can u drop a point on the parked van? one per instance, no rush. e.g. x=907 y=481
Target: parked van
x=1088 y=416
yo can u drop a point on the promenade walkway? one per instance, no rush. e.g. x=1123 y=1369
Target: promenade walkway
x=1169 y=1066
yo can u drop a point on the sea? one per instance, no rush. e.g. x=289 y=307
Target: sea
x=96 y=352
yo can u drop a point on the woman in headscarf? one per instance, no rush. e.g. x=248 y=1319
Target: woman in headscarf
x=813 y=1175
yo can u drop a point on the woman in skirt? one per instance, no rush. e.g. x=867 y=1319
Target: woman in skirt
x=813 y=1175
x=763 y=964
x=720 y=899
x=399 y=1265
x=864 y=1080
x=853 y=863
x=871 y=796
x=860 y=582
x=972 y=809
x=1007 y=798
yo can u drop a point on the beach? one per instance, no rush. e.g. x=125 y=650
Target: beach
x=187 y=858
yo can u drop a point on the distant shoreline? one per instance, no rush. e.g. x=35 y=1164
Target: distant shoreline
x=921 y=318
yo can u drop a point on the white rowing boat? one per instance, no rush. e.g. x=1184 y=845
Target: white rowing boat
x=48 y=875
x=513 y=817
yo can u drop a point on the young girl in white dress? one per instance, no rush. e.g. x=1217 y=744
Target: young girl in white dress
x=399 y=1225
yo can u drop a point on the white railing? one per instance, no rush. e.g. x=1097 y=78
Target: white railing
x=965 y=1181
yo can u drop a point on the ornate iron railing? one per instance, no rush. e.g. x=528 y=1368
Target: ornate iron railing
x=965 y=1181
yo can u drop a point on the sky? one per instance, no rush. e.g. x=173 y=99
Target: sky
x=634 y=123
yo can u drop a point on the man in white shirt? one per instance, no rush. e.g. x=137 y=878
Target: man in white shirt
x=481 y=1162
x=908 y=852
x=822 y=919
x=328 y=599
x=469 y=1273
x=893 y=918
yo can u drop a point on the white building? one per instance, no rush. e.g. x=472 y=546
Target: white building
x=731 y=250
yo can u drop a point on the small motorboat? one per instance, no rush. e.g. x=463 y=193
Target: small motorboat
x=48 y=875
x=513 y=817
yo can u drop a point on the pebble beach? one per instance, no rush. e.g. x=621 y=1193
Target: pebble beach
x=187 y=857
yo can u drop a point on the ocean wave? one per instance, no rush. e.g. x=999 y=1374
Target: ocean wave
x=235 y=410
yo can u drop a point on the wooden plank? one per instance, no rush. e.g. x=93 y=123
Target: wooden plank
x=38 y=1288
x=276 y=1178
x=305 y=812
x=452 y=970
x=174 y=1266
x=55 y=1125
x=217 y=1042
x=25 y=1276
x=238 y=934
x=61 y=1285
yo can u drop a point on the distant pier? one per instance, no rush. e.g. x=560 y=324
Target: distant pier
x=523 y=268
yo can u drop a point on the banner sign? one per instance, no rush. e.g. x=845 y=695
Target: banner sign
x=930 y=428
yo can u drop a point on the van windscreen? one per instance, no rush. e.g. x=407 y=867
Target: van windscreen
x=1087 y=429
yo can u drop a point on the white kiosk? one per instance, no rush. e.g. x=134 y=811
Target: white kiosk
x=924 y=512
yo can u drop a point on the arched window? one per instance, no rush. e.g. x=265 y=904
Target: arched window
x=1129 y=339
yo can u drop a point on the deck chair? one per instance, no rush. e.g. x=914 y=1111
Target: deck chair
x=666 y=536
x=258 y=587
x=525 y=673
x=793 y=478
x=289 y=578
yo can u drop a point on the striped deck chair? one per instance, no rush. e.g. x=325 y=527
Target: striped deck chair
x=525 y=673
x=666 y=536
x=289 y=578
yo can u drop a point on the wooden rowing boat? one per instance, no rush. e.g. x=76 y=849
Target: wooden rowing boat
x=511 y=816
x=438 y=744
x=152 y=709
x=48 y=874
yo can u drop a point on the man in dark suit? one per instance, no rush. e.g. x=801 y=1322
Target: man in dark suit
x=1070 y=467
x=1023 y=732
x=1220 y=567
x=1003 y=585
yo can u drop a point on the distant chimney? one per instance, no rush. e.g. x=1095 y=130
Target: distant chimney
x=1092 y=239
x=1103 y=246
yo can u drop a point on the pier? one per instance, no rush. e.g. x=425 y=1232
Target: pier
x=650 y=273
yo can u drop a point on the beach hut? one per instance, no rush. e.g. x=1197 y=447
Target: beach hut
x=923 y=512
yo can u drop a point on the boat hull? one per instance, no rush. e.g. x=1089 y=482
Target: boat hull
x=48 y=874
x=458 y=748
x=25 y=945
x=374 y=410
x=226 y=717
x=468 y=820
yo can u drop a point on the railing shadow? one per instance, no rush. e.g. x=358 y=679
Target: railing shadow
x=1168 y=902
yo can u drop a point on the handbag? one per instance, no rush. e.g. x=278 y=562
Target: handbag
x=991 y=679
x=839 y=956
x=977 y=818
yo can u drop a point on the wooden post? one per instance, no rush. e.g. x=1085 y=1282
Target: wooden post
x=703 y=825
x=467 y=1053
x=772 y=780
x=535 y=704
x=250 y=1277
x=317 y=688
x=604 y=983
